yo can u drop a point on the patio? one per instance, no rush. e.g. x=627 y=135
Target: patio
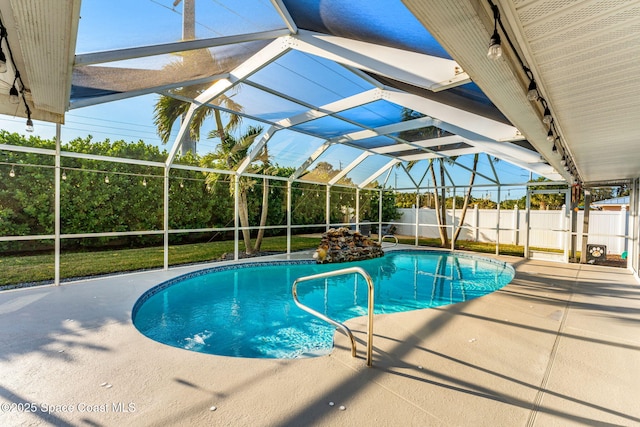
x=514 y=357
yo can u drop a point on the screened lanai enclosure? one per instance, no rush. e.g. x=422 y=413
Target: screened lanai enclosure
x=285 y=118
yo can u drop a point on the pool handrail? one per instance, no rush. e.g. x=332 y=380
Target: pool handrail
x=346 y=330
x=389 y=235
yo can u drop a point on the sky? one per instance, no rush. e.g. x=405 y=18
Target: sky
x=132 y=119
x=111 y=120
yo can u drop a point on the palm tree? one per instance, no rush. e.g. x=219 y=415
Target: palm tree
x=169 y=108
x=439 y=201
x=467 y=197
x=229 y=155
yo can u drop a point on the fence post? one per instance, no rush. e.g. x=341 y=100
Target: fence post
x=417 y=216
x=561 y=226
x=585 y=227
x=357 y=216
x=623 y=225
x=498 y=225
x=516 y=224
x=527 y=221
x=476 y=217
x=289 y=216
x=57 y=211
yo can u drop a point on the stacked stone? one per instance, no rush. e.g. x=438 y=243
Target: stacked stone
x=344 y=245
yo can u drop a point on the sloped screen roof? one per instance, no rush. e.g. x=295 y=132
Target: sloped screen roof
x=386 y=23
x=360 y=85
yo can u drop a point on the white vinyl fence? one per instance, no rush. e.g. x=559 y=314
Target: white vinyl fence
x=609 y=228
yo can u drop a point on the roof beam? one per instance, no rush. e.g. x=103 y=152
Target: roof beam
x=165 y=48
x=364 y=76
x=424 y=175
x=312 y=158
x=261 y=59
x=255 y=149
x=332 y=108
x=476 y=127
x=385 y=130
x=265 y=56
x=349 y=167
x=458 y=79
x=493 y=168
x=506 y=150
x=284 y=14
x=379 y=172
x=437 y=155
x=404 y=168
x=411 y=67
x=86 y=102
x=182 y=133
x=426 y=143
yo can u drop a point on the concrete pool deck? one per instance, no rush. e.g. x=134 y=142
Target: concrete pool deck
x=558 y=346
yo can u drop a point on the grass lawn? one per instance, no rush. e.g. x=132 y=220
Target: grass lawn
x=38 y=268
x=18 y=270
x=467 y=245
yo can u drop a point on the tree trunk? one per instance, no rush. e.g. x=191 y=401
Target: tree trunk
x=219 y=125
x=263 y=215
x=467 y=197
x=436 y=206
x=444 y=238
x=243 y=213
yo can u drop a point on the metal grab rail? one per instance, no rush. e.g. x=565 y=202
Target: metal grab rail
x=389 y=235
x=344 y=271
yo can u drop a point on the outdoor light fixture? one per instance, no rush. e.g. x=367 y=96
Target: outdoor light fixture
x=3 y=58
x=495 y=48
x=106 y=179
x=532 y=92
x=546 y=118
x=14 y=96
x=495 y=51
x=12 y=172
x=3 y=61
x=29 y=127
x=14 y=93
x=550 y=137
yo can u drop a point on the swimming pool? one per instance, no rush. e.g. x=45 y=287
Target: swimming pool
x=247 y=310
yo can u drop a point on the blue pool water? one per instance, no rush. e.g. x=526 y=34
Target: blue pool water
x=247 y=310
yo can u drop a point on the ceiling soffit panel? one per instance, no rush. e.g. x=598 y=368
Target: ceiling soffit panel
x=42 y=37
x=584 y=54
x=463 y=28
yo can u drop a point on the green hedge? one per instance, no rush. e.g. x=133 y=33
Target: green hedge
x=132 y=199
